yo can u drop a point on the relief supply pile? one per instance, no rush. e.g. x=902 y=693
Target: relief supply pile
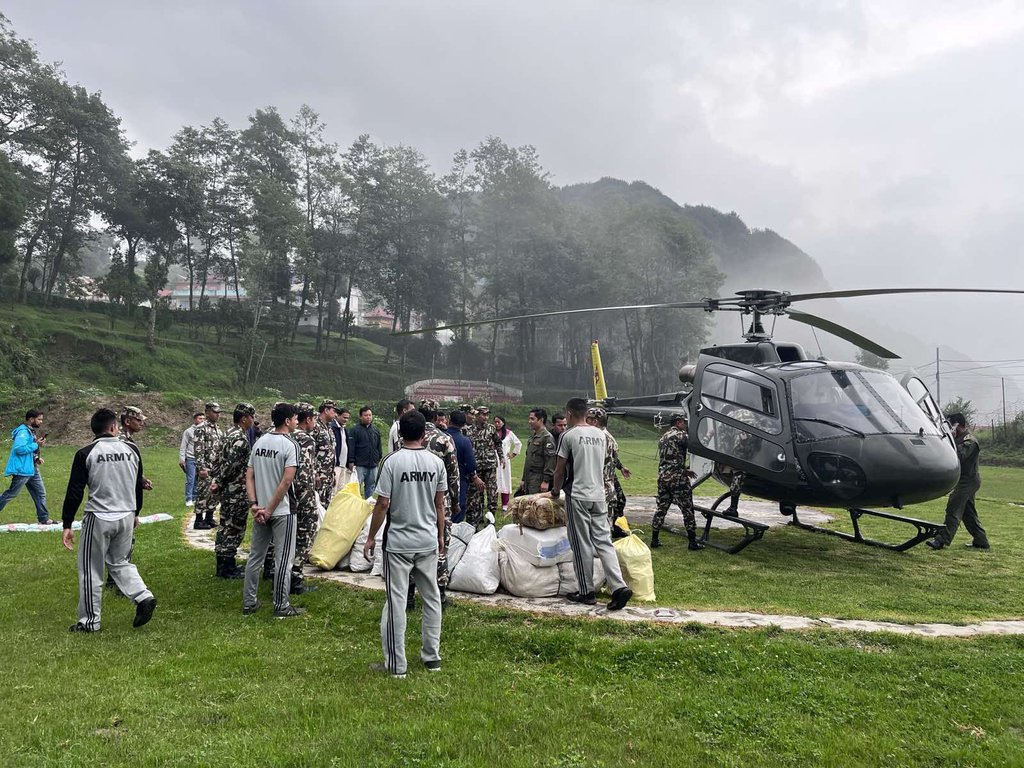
x=534 y=556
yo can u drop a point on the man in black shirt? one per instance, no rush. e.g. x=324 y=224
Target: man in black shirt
x=364 y=450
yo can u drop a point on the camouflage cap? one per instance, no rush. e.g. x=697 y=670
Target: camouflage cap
x=302 y=407
x=246 y=409
x=678 y=415
x=213 y=406
x=598 y=413
x=466 y=407
x=429 y=405
x=483 y=409
x=134 y=412
x=324 y=405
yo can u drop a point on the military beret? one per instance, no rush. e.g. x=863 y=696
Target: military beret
x=131 y=410
x=325 y=404
x=213 y=406
x=246 y=409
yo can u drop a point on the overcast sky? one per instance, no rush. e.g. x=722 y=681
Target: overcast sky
x=880 y=137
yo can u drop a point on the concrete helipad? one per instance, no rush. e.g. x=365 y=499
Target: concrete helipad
x=639 y=511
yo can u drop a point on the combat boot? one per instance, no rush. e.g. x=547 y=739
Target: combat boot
x=299 y=585
x=693 y=544
x=655 y=542
x=210 y=522
x=227 y=568
x=199 y=524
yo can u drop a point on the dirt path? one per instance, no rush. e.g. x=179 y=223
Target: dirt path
x=639 y=511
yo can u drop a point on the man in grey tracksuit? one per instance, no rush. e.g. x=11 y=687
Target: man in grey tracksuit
x=112 y=470
x=411 y=485
x=273 y=462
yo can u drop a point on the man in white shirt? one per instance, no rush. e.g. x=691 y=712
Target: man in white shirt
x=402 y=407
x=272 y=466
x=411 y=485
x=584 y=447
x=187 y=458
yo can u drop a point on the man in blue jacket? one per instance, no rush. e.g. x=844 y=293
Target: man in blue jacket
x=23 y=466
x=467 y=462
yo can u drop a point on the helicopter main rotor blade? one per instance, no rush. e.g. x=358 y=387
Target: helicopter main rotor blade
x=558 y=313
x=842 y=332
x=888 y=291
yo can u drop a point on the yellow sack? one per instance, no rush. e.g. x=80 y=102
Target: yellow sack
x=635 y=561
x=343 y=521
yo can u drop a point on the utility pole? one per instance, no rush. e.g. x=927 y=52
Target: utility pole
x=1002 y=381
x=938 y=382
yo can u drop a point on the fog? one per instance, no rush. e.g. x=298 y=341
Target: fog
x=879 y=137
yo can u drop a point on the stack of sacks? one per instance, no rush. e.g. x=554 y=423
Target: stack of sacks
x=534 y=556
x=346 y=516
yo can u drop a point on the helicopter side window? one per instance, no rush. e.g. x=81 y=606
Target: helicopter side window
x=739 y=444
x=743 y=399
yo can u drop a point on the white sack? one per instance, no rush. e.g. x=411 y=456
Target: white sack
x=477 y=571
x=541 y=547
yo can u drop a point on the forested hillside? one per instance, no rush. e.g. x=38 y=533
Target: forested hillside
x=289 y=222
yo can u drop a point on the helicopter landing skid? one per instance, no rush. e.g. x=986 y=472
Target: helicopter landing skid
x=925 y=529
x=752 y=531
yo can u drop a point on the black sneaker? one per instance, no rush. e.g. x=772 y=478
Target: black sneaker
x=588 y=599
x=619 y=598
x=935 y=543
x=433 y=666
x=81 y=628
x=144 y=611
x=249 y=610
x=289 y=612
x=976 y=545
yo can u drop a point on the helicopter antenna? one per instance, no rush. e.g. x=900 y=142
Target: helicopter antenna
x=821 y=354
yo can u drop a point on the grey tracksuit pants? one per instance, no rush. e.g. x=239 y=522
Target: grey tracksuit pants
x=106 y=543
x=398 y=567
x=281 y=530
x=590 y=536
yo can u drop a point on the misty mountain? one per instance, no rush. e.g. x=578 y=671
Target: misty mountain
x=763 y=259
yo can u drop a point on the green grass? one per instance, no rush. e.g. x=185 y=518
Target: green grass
x=201 y=685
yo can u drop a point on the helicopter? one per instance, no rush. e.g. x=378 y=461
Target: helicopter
x=767 y=420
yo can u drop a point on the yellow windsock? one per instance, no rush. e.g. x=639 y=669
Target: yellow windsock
x=600 y=390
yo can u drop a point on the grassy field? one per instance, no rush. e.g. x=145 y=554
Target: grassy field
x=202 y=685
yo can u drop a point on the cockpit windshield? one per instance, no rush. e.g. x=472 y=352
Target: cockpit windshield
x=828 y=402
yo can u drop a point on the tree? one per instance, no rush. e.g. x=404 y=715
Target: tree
x=12 y=209
x=960 y=405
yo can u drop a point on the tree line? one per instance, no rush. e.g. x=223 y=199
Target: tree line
x=293 y=223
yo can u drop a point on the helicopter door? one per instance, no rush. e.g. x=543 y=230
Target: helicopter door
x=919 y=392
x=738 y=418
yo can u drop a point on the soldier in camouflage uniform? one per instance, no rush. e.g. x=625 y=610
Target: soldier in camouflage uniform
x=615 y=497
x=228 y=481
x=440 y=443
x=539 y=459
x=208 y=437
x=674 y=481
x=488 y=451
x=304 y=488
x=325 y=456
